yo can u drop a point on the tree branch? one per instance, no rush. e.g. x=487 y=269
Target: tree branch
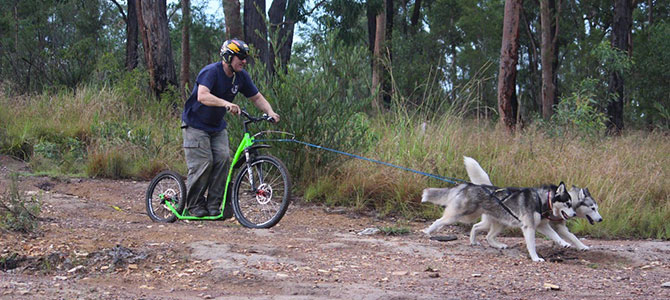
x=123 y=14
x=177 y=7
x=313 y=9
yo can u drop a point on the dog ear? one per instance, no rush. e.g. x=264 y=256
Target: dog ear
x=586 y=192
x=582 y=193
x=561 y=188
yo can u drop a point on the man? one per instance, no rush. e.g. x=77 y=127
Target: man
x=204 y=128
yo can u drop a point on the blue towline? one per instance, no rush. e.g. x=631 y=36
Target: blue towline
x=445 y=179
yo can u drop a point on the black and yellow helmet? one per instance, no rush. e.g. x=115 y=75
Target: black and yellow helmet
x=234 y=47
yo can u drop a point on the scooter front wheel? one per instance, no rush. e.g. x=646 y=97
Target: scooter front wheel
x=261 y=192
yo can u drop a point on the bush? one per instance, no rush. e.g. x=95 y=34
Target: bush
x=579 y=112
x=322 y=103
x=17 y=211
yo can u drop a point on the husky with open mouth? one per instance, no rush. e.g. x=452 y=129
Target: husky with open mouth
x=515 y=207
x=582 y=203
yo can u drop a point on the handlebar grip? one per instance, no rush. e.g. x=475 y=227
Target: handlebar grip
x=268 y=118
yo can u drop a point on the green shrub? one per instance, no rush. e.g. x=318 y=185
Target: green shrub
x=580 y=112
x=322 y=103
x=19 y=212
x=113 y=162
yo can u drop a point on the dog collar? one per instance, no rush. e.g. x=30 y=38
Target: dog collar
x=549 y=213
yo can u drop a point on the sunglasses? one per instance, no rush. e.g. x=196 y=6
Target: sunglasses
x=241 y=56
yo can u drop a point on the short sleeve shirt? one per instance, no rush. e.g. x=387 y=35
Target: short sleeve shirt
x=210 y=118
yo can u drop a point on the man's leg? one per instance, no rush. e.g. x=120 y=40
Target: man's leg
x=220 y=167
x=199 y=162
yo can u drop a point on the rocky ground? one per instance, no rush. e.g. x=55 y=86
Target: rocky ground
x=95 y=241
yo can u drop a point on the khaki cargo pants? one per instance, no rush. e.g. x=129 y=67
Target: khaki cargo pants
x=208 y=161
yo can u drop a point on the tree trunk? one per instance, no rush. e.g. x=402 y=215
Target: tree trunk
x=286 y=32
x=416 y=13
x=533 y=59
x=231 y=12
x=185 y=47
x=255 y=32
x=509 y=56
x=387 y=85
x=623 y=18
x=153 y=25
x=377 y=68
x=131 y=32
x=371 y=13
x=131 y=36
x=276 y=16
x=547 y=11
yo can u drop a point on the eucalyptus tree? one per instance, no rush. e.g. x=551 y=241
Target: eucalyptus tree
x=549 y=17
x=185 y=47
x=234 y=28
x=153 y=23
x=255 y=30
x=507 y=100
x=283 y=16
x=621 y=30
x=130 y=19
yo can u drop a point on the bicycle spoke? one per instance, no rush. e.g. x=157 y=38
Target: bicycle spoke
x=265 y=203
x=254 y=201
x=165 y=187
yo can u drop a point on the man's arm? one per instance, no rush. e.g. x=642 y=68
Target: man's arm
x=259 y=101
x=207 y=98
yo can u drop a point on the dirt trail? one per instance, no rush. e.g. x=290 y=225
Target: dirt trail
x=96 y=242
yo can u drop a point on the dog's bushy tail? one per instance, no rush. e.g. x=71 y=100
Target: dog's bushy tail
x=475 y=172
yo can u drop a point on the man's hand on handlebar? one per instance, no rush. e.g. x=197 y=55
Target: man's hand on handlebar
x=265 y=117
x=274 y=116
x=233 y=108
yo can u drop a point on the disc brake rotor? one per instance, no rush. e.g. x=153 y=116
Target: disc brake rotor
x=168 y=195
x=264 y=193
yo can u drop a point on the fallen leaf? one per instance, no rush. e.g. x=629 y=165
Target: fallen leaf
x=549 y=286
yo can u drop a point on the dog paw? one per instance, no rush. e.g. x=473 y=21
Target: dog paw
x=539 y=259
x=584 y=248
x=499 y=246
x=475 y=244
x=565 y=245
x=426 y=231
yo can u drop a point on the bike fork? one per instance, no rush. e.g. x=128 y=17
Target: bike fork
x=249 y=172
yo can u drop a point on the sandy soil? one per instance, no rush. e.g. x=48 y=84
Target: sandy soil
x=95 y=241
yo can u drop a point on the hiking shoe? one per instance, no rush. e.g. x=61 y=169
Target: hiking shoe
x=198 y=212
x=214 y=211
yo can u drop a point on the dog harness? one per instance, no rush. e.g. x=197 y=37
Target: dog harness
x=509 y=194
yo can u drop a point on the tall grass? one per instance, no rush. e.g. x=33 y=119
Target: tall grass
x=98 y=132
x=628 y=175
x=93 y=131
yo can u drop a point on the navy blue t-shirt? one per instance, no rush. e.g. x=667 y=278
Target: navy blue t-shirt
x=210 y=118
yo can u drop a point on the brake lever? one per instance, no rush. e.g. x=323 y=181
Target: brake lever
x=268 y=118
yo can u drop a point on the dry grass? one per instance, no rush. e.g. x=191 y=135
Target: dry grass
x=628 y=175
x=121 y=137
x=125 y=137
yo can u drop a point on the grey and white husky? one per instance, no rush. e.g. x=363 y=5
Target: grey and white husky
x=515 y=207
x=582 y=202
